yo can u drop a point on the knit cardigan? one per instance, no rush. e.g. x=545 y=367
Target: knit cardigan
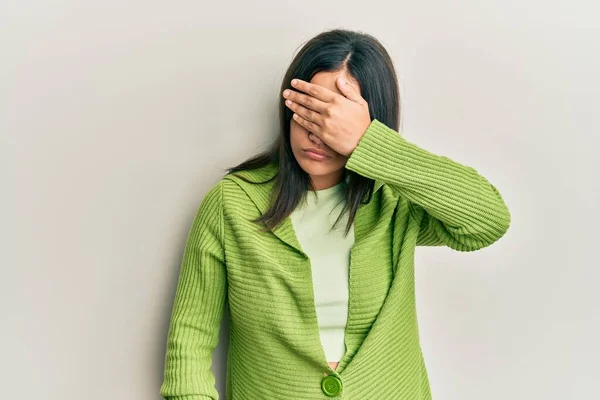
x=275 y=353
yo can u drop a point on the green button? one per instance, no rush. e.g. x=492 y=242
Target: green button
x=331 y=385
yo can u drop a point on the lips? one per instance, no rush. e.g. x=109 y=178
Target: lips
x=317 y=151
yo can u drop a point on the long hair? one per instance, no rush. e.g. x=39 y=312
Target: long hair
x=363 y=58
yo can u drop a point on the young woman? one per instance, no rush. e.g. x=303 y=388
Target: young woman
x=311 y=243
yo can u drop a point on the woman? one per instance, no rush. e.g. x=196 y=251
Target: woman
x=318 y=309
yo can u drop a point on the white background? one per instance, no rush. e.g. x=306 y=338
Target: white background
x=117 y=116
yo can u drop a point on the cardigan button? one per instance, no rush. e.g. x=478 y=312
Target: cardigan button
x=331 y=385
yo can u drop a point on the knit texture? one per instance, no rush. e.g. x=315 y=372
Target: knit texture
x=275 y=352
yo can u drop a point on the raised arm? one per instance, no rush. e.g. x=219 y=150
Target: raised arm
x=461 y=208
x=198 y=307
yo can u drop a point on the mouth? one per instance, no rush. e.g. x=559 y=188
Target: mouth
x=316 y=155
x=316 y=151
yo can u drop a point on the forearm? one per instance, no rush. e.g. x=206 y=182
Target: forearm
x=469 y=210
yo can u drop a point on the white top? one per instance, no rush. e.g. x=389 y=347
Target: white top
x=329 y=254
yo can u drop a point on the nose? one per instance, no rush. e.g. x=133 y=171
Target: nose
x=314 y=138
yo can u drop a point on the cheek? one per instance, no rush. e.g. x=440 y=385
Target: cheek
x=294 y=140
x=341 y=161
x=296 y=134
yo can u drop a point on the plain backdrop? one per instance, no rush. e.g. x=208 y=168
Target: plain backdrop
x=116 y=117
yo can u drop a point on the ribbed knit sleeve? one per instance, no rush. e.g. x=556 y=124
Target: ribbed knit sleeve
x=198 y=307
x=462 y=209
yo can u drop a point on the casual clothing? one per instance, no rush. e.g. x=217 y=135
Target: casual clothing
x=419 y=198
x=329 y=255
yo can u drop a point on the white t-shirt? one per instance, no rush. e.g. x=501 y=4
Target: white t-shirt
x=329 y=254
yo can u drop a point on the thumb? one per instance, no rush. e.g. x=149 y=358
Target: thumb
x=348 y=91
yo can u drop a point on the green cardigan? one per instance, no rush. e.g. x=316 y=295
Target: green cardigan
x=265 y=279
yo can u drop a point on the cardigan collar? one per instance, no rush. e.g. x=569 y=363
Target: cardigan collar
x=259 y=188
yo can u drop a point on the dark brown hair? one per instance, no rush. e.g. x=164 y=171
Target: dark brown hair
x=363 y=58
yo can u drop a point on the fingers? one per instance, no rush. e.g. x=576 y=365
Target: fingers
x=305 y=113
x=318 y=92
x=349 y=91
x=305 y=100
x=310 y=126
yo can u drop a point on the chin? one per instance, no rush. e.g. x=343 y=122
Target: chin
x=317 y=168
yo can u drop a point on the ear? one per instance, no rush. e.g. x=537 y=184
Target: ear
x=348 y=91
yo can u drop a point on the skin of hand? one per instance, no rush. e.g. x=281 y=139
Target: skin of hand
x=339 y=121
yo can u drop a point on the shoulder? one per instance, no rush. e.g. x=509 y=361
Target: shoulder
x=238 y=182
x=237 y=193
x=212 y=202
x=259 y=175
x=255 y=183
